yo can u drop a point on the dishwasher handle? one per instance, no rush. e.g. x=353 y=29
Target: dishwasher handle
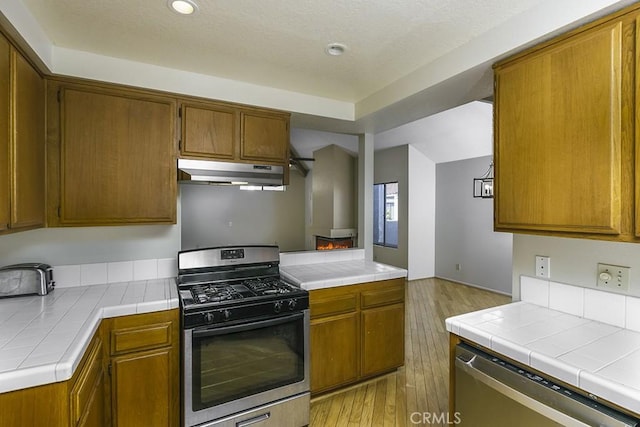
x=539 y=394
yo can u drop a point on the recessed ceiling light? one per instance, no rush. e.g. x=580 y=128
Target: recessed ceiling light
x=335 y=49
x=184 y=7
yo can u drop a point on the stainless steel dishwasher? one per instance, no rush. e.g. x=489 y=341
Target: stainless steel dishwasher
x=492 y=392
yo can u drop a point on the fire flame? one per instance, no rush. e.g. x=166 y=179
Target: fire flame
x=328 y=245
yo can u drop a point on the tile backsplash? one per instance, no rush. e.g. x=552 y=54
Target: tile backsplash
x=149 y=269
x=113 y=272
x=606 y=307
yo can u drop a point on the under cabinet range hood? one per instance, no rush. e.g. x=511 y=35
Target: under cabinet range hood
x=228 y=173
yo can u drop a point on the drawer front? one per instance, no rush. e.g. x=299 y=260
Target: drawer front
x=140 y=338
x=289 y=412
x=84 y=386
x=374 y=298
x=333 y=305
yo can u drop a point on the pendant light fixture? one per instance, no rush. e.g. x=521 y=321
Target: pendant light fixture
x=483 y=186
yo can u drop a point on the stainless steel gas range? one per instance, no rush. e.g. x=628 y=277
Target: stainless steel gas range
x=246 y=339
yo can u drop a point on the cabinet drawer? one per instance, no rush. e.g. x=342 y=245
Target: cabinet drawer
x=83 y=389
x=334 y=305
x=383 y=296
x=140 y=338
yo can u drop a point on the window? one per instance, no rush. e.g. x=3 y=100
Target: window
x=385 y=214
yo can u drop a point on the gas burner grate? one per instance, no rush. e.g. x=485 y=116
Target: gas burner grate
x=214 y=293
x=268 y=286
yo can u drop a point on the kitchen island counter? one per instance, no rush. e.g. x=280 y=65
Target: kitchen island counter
x=43 y=338
x=598 y=358
x=319 y=270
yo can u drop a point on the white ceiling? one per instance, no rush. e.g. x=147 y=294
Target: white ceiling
x=407 y=59
x=278 y=43
x=459 y=133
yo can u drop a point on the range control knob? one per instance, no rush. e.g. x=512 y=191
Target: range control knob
x=277 y=306
x=292 y=304
x=226 y=314
x=208 y=318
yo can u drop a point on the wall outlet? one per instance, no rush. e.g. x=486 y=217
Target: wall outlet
x=613 y=277
x=458 y=267
x=543 y=266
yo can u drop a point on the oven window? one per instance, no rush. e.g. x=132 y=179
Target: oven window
x=235 y=365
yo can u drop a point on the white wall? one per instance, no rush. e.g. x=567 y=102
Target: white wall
x=84 y=245
x=392 y=165
x=573 y=261
x=365 y=194
x=464 y=230
x=421 y=215
x=225 y=215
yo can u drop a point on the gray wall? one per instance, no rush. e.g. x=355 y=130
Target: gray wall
x=392 y=165
x=464 y=230
x=334 y=197
x=573 y=261
x=225 y=215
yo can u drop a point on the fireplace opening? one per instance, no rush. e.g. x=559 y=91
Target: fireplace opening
x=330 y=243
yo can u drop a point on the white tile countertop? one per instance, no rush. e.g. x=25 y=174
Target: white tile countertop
x=318 y=270
x=43 y=338
x=599 y=358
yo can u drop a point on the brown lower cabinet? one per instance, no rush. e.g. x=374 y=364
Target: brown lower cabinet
x=334 y=351
x=357 y=332
x=144 y=368
x=129 y=376
x=87 y=398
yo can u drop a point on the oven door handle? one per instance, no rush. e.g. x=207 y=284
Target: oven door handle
x=212 y=332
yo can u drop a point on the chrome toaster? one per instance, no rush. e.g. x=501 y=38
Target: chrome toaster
x=26 y=279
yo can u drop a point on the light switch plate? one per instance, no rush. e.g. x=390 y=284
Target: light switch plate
x=543 y=266
x=613 y=277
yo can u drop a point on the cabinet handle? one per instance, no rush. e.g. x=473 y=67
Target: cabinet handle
x=254 y=420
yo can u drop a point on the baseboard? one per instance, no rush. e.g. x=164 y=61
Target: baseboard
x=473 y=285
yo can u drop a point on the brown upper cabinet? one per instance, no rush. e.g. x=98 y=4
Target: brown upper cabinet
x=232 y=133
x=22 y=142
x=264 y=137
x=5 y=136
x=209 y=131
x=112 y=156
x=563 y=140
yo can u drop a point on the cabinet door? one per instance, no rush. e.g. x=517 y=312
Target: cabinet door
x=117 y=158
x=5 y=135
x=209 y=131
x=558 y=136
x=382 y=339
x=334 y=351
x=637 y=128
x=265 y=137
x=87 y=394
x=142 y=389
x=94 y=415
x=28 y=170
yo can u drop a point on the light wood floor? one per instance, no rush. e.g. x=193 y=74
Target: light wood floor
x=422 y=385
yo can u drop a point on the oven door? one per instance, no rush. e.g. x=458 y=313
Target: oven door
x=229 y=369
